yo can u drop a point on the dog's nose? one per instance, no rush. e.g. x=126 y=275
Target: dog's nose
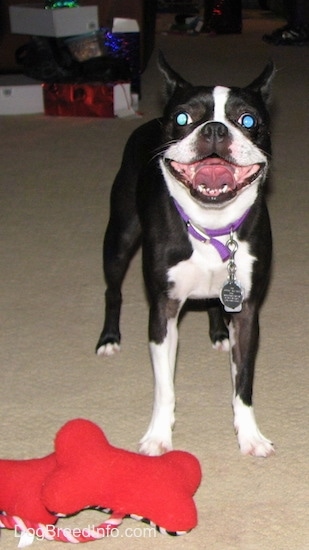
x=215 y=132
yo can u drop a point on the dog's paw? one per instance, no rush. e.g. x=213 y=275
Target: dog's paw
x=222 y=345
x=108 y=349
x=152 y=446
x=250 y=439
x=256 y=445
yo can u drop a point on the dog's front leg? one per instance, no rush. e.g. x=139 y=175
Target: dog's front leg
x=244 y=335
x=163 y=336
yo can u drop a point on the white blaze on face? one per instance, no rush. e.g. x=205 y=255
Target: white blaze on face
x=220 y=95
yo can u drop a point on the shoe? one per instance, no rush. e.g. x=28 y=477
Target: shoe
x=294 y=36
x=275 y=35
x=287 y=36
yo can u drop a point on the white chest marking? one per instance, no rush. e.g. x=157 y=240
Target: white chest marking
x=204 y=273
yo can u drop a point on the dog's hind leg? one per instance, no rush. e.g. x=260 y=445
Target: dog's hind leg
x=244 y=331
x=163 y=349
x=218 y=331
x=120 y=243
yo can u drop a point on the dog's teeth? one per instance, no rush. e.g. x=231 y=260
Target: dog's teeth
x=212 y=192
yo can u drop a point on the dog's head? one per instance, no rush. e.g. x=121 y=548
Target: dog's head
x=216 y=139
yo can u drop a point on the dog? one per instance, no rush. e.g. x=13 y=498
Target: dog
x=191 y=190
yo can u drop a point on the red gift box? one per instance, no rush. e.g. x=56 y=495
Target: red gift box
x=89 y=100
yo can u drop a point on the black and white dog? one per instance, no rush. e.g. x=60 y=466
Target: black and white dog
x=191 y=187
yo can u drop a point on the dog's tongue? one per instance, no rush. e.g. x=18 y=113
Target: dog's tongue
x=214 y=176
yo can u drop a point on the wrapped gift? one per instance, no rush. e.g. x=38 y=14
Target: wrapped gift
x=88 y=99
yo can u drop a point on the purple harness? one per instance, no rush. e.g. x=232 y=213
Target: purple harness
x=209 y=235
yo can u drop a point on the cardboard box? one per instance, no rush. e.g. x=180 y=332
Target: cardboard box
x=35 y=20
x=20 y=95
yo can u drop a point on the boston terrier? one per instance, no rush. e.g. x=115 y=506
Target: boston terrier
x=191 y=190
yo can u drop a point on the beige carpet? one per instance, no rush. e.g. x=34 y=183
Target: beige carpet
x=55 y=180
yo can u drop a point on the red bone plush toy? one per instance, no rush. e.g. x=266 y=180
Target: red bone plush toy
x=85 y=471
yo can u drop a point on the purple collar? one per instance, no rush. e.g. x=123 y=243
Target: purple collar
x=209 y=235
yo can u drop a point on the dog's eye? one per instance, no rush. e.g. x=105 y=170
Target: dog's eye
x=182 y=119
x=247 y=121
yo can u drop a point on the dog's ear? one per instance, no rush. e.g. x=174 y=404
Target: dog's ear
x=263 y=82
x=172 y=80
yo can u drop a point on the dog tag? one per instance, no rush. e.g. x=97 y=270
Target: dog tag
x=232 y=297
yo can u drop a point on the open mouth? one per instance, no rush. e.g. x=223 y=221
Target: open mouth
x=214 y=179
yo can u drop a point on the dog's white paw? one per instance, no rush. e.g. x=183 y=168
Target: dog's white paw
x=154 y=446
x=250 y=439
x=255 y=445
x=222 y=345
x=108 y=349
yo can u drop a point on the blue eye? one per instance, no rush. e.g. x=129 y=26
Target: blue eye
x=247 y=121
x=183 y=119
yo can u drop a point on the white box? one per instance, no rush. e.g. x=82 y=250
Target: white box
x=20 y=95
x=125 y=25
x=35 y=20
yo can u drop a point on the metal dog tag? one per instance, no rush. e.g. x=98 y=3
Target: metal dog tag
x=232 y=296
